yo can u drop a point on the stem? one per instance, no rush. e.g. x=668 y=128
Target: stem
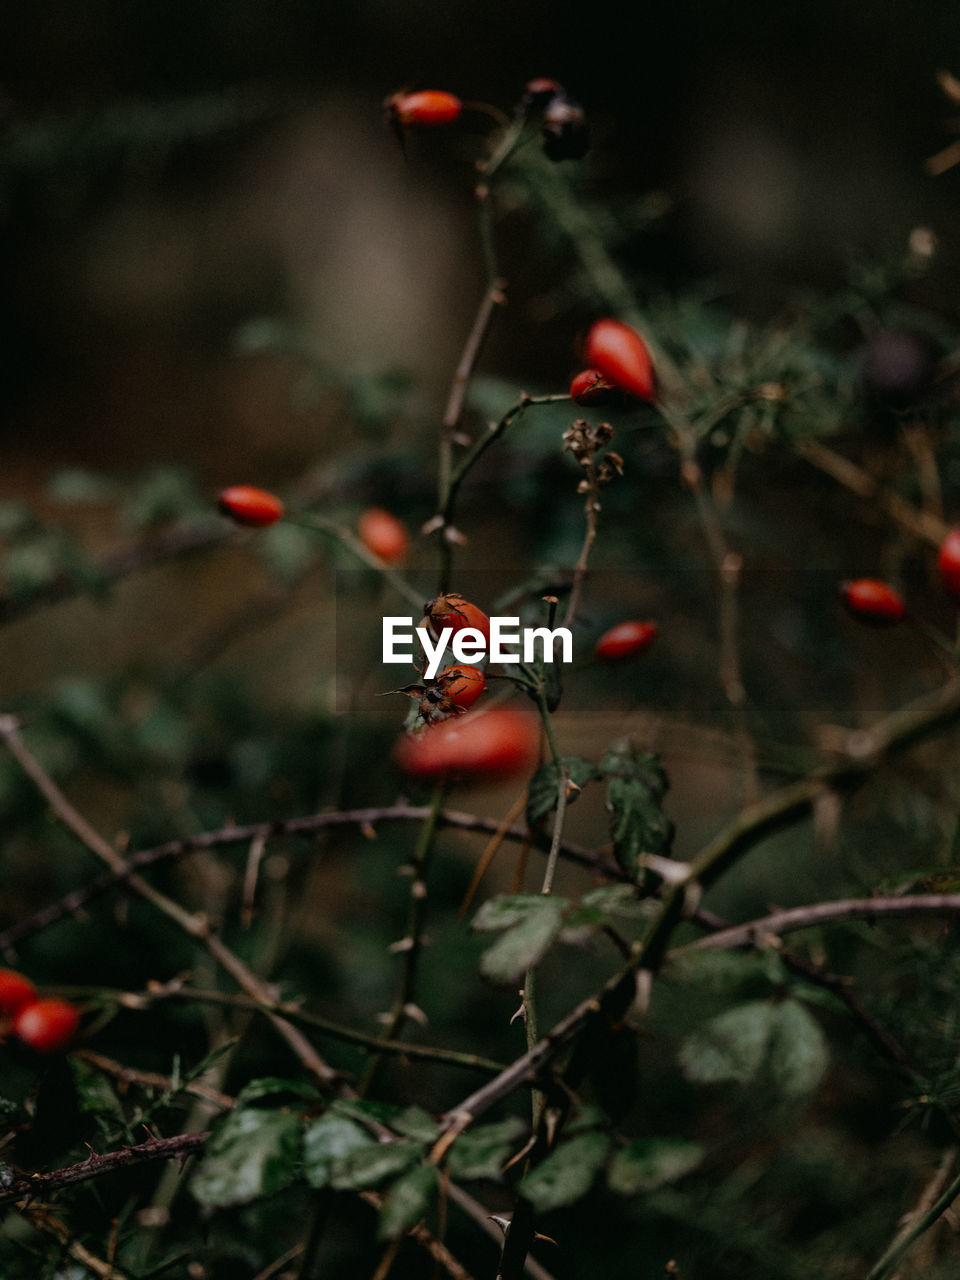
x=902 y=1242
x=195 y=926
x=349 y=540
x=412 y=942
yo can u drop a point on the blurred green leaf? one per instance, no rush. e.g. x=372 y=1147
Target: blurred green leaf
x=80 y=487
x=95 y=1093
x=780 y=1037
x=252 y=1153
x=531 y=923
x=647 y=1163
x=568 y=1173
x=407 y=1200
x=326 y=1141
x=482 y=1152
x=274 y=1087
x=365 y=1167
x=287 y=551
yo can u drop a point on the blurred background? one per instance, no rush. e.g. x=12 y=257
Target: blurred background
x=170 y=172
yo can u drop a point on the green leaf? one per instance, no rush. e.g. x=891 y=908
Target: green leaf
x=287 y=550
x=370 y=1166
x=531 y=923
x=407 y=1201
x=799 y=1056
x=273 y=1087
x=328 y=1140
x=412 y=1122
x=568 y=1173
x=545 y=783
x=482 y=1152
x=252 y=1153
x=636 y=786
x=782 y=1039
x=94 y=1091
x=80 y=487
x=723 y=972
x=647 y=1163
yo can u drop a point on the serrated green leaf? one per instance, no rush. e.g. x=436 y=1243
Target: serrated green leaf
x=482 y=1152
x=781 y=1038
x=252 y=1153
x=272 y=1087
x=525 y=942
x=545 y=783
x=636 y=786
x=370 y=1166
x=647 y=1163
x=407 y=1201
x=328 y=1140
x=568 y=1173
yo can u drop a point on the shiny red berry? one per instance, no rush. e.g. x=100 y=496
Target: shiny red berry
x=622 y=356
x=426 y=109
x=948 y=562
x=47 y=1026
x=870 y=600
x=384 y=535
x=247 y=505
x=480 y=746
x=625 y=640
x=15 y=991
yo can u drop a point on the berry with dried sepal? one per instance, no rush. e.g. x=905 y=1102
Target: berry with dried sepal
x=622 y=356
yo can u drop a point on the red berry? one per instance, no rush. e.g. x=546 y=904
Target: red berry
x=425 y=109
x=591 y=387
x=250 y=506
x=47 y=1026
x=873 y=601
x=622 y=356
x=482 y=745
x=15 y=991
x=451 y=610
x=384 y=535
x=948 y=562
x=462 y=685
x=625 y=640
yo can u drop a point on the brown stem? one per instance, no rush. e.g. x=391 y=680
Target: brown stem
x=180 y=1146
x=195 y=926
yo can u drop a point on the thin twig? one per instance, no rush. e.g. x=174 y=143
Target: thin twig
x=926 y=525
x=767 y=928
x=195 y=926
x=904 y=1239
x=36 y=1184
x=76 y=899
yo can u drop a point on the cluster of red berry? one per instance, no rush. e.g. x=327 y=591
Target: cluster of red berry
x=46 y=1025
x=499 y=741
